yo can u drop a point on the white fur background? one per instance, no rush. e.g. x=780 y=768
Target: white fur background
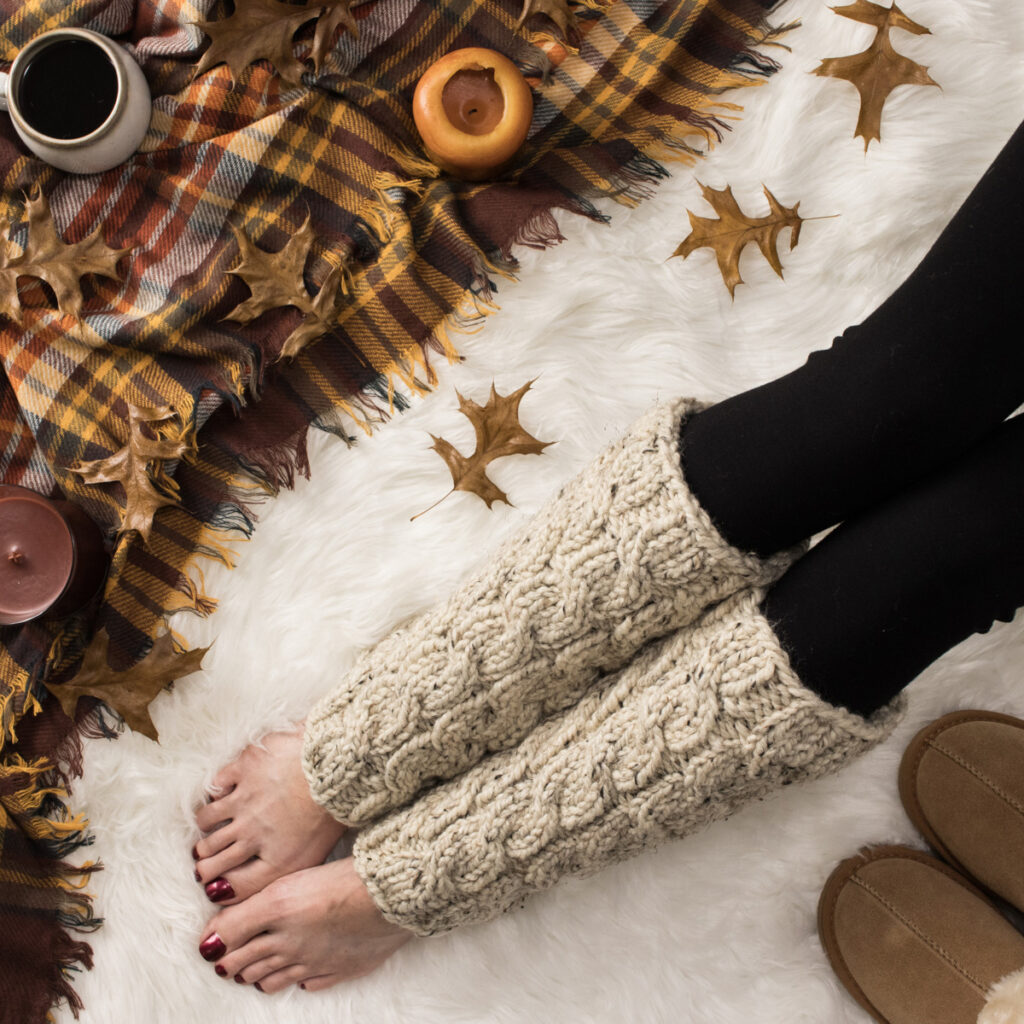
x=719 y=927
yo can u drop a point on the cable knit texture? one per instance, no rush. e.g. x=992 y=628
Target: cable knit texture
x=700 y=723
x=624 y=553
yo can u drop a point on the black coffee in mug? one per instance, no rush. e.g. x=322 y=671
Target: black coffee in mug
x=67 y=89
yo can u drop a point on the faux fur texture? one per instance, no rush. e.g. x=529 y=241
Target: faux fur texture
x=719 y=927
x=1005 y=1001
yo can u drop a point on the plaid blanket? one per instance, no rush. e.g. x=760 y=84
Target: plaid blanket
x=420 y=253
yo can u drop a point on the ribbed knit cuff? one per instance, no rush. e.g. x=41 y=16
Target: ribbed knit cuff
x=623 y=554
x=699 y=724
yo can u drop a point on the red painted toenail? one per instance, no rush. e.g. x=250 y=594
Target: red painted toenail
x=195 y=853
x=198 y=877
x=302 y=985
x=212 y=948
x=239 y=979
x=257 y=987
x=219 y=890
x=220 y=970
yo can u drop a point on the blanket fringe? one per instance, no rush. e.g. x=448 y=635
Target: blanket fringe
x=33 y=801
x=478 y=303
x=541 y=231
x=10 y=715
x=415 y=166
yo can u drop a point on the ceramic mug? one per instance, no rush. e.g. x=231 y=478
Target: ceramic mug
x=77 y=100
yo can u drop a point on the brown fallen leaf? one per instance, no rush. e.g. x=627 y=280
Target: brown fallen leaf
x=275 y=279
x=558 y=12
x=879 y=69
x=728 y=235
x=131 y=692
x=498 y=433
x=265 y=30
x=336 y=15
x=131 y=467
x=46 y=256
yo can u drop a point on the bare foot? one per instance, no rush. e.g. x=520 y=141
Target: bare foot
x=264 y=825
x=312 y=928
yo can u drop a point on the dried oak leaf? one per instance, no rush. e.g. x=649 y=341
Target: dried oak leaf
x=729 y=234
x=131 y=467
x=558 y=12
x=265 y=30
x=46 y=256
x=498 y=433
x=130 y=692
x=336 y=14
x=276 y=279
x=879 y=69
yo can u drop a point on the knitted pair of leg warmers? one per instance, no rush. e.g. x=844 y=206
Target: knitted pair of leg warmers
x=623 y=554
x=565 y=765
x=699 y=724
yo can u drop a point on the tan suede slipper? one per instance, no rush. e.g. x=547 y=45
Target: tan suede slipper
x=916 y=943
x=962 y=784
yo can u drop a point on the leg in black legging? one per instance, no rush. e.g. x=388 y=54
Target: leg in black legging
x=934 y=369
x=887 y=593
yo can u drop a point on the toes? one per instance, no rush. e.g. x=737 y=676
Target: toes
x=210 y=815
x=253 y=960
x=320 y=982
x=275 y=981
x=217 y=866
x=228 y=777
x=249 y=879
x=215 y=842
x=220 y=891
x=228 y=931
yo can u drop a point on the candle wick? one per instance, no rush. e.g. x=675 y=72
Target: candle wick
x=16 y=557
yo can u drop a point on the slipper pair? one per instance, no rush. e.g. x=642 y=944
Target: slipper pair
x=918 y=940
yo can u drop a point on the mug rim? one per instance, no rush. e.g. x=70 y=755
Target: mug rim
x=34 y=46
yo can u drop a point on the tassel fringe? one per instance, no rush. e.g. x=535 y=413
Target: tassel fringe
x=43 y=894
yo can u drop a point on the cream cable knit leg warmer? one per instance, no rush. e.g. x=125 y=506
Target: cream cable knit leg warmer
x=622 y=554
x=701 y=722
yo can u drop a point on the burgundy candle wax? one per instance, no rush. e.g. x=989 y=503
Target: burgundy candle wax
x=51 y=556
x=473 y=101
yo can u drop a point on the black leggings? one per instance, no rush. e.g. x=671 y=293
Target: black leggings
x=899 y=432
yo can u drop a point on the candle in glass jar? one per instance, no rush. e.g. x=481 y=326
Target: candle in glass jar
x=473 y=110
x=51 y=556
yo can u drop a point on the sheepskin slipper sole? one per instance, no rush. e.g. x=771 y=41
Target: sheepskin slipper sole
x=961 y=781
x=914 y=942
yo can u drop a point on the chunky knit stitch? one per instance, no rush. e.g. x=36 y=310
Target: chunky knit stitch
x=701 y=722
x=624 y=553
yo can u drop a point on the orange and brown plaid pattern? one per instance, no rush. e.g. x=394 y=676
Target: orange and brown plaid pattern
x=421 y=252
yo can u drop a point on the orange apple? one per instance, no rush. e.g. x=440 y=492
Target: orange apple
x=473 y=109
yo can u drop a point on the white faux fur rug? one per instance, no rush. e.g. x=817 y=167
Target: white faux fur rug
x=719 y=928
